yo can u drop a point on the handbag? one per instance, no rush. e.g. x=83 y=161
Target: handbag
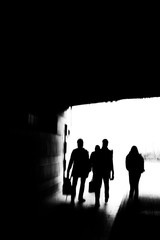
x=67 y=187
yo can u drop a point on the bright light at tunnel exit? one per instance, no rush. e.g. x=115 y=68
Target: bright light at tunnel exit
x=124 y=123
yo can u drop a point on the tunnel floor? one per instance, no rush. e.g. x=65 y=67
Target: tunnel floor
x=120 y=218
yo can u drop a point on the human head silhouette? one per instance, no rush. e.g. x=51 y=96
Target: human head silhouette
x=80 y=143
x=97 y=148
x=105 y=143
x=134 y=149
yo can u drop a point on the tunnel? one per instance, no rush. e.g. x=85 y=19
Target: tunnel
x=41 y=135
x=55 y=63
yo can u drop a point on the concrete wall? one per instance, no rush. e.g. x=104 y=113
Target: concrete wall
x=35 y=156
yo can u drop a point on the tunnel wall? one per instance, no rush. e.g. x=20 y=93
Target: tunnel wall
x=35 y=155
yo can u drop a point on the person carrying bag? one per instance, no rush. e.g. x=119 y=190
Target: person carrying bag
x=67 y=187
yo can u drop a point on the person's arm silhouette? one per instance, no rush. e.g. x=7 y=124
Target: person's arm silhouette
x=112 y=167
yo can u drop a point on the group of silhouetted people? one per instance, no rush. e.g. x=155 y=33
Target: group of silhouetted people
x=100 y=162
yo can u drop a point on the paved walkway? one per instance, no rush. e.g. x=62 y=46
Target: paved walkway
x=119 y=218
x=55 y=218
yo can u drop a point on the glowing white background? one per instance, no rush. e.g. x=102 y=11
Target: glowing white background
x=123 y=123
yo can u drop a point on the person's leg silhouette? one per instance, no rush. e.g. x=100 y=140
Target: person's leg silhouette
x=137 y=178
x=98 y=182
x=81 y=190
x=132 y=185
x=74 y=185
x=106 y=188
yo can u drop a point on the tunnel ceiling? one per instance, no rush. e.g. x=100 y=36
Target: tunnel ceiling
x=49 y=71
x=44 y=85
x=48 y=97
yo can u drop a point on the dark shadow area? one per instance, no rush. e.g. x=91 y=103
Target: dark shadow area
x=137 y=220
x=63 y=221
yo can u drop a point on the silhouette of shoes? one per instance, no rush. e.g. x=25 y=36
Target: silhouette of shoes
x=82 y=200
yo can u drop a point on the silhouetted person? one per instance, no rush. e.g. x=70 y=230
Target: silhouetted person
x=135 y=167
x=103 y=170
x=79 y=162
x=95 y=165
x=94 y=161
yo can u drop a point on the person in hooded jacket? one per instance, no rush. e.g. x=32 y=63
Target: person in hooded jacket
x=135 y=166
